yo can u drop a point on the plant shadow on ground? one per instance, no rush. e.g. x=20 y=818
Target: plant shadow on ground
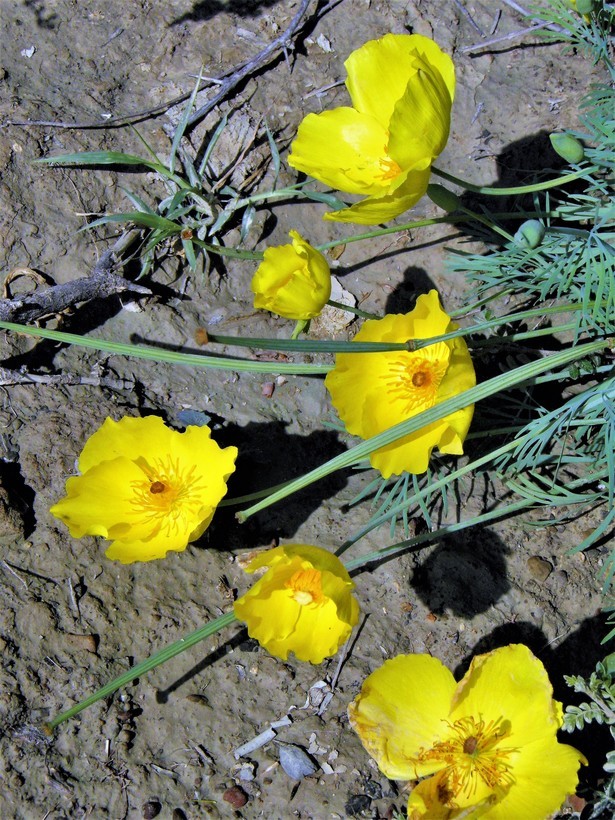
x=466 y=574
x=207 y=9
x=269 y=455
x=522 y=162
x=403 y=298
x=576 y=655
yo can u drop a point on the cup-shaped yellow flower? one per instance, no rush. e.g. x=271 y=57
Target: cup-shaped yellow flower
x=487 y=745
x=302 y=604
x=293 y=281
x=374 y=391
x=402 y=88
x=145 y=487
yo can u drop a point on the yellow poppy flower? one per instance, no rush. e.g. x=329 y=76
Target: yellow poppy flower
x=374 y=391
x=302 y=604
x=487 y=745
x=402 y=88
x=293 y=281
x=145 y=487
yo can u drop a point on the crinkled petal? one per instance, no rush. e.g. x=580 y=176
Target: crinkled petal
x=376 y=209
x=101 y=501
x=425 y=802
x=411 y=454
x=379 y=71
x=130 y=438
x=309 y=555
x=402 y=708
x=343 y=149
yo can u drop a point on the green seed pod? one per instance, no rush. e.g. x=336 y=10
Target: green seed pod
x=443 y=198
x=568 y=147
x=530 y=234
x=585 y=6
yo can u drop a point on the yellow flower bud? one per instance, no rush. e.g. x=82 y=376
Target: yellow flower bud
x=293 y=281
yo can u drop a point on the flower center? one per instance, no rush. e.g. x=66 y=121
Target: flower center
x=389 y=169
x=475 y=761
x=170 y=495
x=306 y=586
x=414 y=378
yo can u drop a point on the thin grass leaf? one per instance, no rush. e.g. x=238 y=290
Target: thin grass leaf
x=246 y=223
x=211 y=145
x=183 y=122
x=146 y=220
x=188 y=247
x=139 y=204
x=275 y=155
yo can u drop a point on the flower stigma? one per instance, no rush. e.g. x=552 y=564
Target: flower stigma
x=415 y=379
x=472 y=755
x=306 y=586
x=168 y=493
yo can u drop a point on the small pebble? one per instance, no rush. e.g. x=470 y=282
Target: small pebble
x=539 y=568
x=295 y=761
x=267 y=389
x=559 y=579
x=236 y=797
x=151 y=809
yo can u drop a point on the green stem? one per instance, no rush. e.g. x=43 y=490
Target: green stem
x=173 y=357
x=521 y=189
x=146 y=666
x=497 y=384
x=488 y=223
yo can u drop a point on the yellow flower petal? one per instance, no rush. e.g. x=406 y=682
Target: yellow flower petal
x=303 y=603
x=402 y=707
x=344 y=149
x=376 y=209
x=397 y=385
x=146 y=487
x=128 y=437
x=293 y=281
x=521 y=678
x=533 y=797
x=421 y=119
x=393 y=56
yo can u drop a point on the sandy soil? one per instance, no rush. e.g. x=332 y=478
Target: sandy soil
x=69 y=619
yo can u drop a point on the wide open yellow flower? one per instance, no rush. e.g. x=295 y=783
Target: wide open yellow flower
x=145 y=487
x=402 y=88
x=293 y=281
x=487 y=744
x=374 y=391
x=302 y=604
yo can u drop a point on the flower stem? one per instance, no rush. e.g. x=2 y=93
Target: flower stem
x=160 y=354
x=521 y=189
x=145 y=666
x=349 y=309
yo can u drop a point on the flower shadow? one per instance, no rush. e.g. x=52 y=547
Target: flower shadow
x=403 y=298
x=206 y=9
x=466 y=574
x=269 y=455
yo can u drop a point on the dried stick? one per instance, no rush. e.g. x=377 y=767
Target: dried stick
x=226 y=81
x=281 y=43
x=101 y=282
x=9 y=378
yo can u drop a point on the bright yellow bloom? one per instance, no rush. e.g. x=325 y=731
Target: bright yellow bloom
x=145 y=487
x=293 y=281
x=302 y=604
x=402 y=88
x=487 y=744
x=374 y=391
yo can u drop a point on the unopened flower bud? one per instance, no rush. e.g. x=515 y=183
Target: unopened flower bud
x=443 y=198
x=530 y=234
x=568 y=147
x=585 y=6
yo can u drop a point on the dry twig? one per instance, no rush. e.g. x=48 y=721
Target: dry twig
x=101 y=282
